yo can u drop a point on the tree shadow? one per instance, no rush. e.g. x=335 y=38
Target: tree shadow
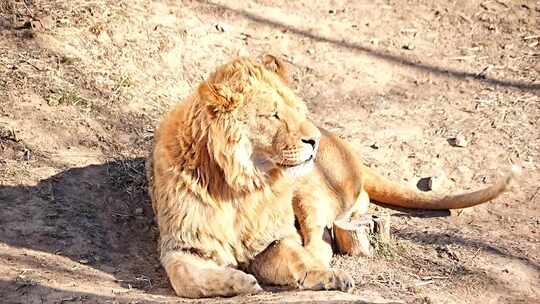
x=357 y=47
x=98 y=215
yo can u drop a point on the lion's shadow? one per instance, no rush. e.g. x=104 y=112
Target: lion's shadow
x=98 y=215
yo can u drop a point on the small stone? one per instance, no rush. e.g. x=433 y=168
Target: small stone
x=310 y=51
x=408 y=46
x=41 y=24
x=423 y=184
x=332 y=11
x=374 y=146
x=222 y=27
x=138 y=211
x=446 y=250
x=432 y=182
x=84 y=261
x=458 y=141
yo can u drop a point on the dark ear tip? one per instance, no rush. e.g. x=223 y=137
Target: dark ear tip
x=272 y=63
x=269 y=58
x=277 y=66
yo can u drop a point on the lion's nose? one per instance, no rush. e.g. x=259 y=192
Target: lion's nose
x=311 y=142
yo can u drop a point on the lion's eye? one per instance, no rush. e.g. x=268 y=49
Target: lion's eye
x=274 y=115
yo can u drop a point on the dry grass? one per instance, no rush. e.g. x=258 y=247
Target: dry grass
x=7 y=7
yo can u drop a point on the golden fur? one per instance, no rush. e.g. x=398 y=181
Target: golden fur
x=233 y=165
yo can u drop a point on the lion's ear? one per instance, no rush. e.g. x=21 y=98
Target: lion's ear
x=219 y=98
x=277 y=66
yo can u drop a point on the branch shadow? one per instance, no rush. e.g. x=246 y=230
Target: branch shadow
x=357 y=47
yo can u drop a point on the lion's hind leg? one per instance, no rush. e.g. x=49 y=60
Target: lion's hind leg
x=194 y=277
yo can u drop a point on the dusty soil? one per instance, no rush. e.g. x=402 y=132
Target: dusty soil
x=83 y=83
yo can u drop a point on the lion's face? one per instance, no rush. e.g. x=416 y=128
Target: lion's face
x=278 y=129
x=258 y=120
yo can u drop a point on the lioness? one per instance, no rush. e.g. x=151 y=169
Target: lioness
x=231 y=167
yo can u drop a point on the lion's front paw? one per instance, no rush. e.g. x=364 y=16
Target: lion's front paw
x=243 y=283
x=221 y=282
x=332 y=279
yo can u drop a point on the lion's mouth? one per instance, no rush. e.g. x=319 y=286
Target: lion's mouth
x=305 y=163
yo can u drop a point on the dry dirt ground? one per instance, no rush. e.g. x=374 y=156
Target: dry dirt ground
x=83 y=84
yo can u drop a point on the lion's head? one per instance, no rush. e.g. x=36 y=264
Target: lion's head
x=256 y=124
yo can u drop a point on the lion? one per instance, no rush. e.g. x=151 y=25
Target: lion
x=221 y=178
x=234 y=166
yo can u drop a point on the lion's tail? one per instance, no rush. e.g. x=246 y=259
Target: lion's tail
x=385 y=191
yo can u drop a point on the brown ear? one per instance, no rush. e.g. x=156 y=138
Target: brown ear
x=219 y=98
x=277 y=66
